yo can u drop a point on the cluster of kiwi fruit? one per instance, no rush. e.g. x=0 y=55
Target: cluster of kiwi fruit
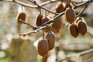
x=76 y=25
x=47 y=43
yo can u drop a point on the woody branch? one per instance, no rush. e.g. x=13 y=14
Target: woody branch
x=51 y=21
x=79 y=54
x=32 y=6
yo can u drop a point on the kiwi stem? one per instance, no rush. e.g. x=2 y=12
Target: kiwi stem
x=68 y=3
x=43 y=7
x=45 y=13
x=73 y=3
x=43 y=33
x=44 y=59
x=40 y=10
x=26 y=23
x=82 y=11
x=22 y=7
x=19 y=27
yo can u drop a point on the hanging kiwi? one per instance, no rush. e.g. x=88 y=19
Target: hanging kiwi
x=74 y=30
x=57 y=25
x=45 y=19
x=70 y=15
x=61 y=7
x=39 y=20
x=51 y=39
x=43 y=47
x=82 y=26
x=20 y=18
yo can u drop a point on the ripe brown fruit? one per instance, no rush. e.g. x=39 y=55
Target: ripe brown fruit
x=74 y=30
x=57 y=25
x=21 y=17
x=82 y=27
x=61 y=7
x=51 y=39
x=45 y=19
x=43 y=47
x=39 y=20
x=70 y=15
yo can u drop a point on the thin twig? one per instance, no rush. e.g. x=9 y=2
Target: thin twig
x=28 y=5
x=85 y=52
x=79 y=54
x=89 y=59
x=73 y=3
x=82 y=11
x=34 y=28
x=25 y=23
x=33 y=6
x=37 y=29
x=42 y=7
x=83 y=4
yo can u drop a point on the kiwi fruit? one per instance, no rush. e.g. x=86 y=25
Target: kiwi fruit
x=21 y=17
x=82 y=27
x=57 y=25
x=61 y=7
x=74 y=30
x=45 y=19
x=43 y=47
x=39 y=20
x=70 y=15
x=51 y=39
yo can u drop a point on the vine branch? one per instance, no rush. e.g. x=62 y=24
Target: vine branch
x=79 y=54
x=53 y=19
x=42 y=7
x=32 y=6
x=28 y=5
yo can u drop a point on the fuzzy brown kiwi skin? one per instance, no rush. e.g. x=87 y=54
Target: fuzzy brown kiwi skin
x=43 y=47
x=60 y=8
x=39 y=20
x=82 y=28
x=51 y=39
x=70 y=15
x=45 y=19
x=57 y=25
x=74 y=30
x=21 y=16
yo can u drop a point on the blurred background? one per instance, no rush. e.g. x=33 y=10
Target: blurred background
x=15 y=48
